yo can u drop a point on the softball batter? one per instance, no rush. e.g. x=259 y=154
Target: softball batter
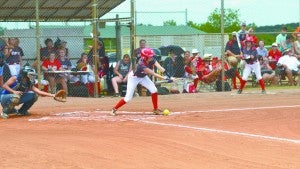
x=252 y=64
x=140 y=76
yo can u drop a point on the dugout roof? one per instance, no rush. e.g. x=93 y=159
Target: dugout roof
x=53 y=10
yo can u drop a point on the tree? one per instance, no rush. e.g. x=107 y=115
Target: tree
x=170 y=23
x=213 y=23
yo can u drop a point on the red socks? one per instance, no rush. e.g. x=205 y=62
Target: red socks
x=243 y=82
x=154 y=100
x=119 y=104
x=262 y=84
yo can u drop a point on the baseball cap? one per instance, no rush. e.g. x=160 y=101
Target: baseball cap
x=244 y=24
x=274 y=44
x=234 y=33
x=195 y=51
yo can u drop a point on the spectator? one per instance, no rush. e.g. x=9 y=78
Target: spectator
x=274 y=55
x=242 y=32
x=170 y=64
x=190 y=72
x=297 y=31
x=65 y=63
x=290 y=66
x=281 y=38
x=14 y=59
x=233 y=53
x=137 y=52
x=251 y=34
x=288 y=43
x=121 y=70
x=267 y=73
x=49 y=48
x=53 y=64
x=261 y=50
x=297 y=45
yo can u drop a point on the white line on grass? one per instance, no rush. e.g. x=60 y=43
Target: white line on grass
x=224 y=132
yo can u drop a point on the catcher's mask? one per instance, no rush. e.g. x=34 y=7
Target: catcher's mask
x=30 y=73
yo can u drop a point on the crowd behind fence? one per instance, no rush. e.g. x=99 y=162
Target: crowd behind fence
x=78 y=41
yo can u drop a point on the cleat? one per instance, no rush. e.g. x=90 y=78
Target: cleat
x=4 y=115
x=239 y=91
x=117 y=95
x=113 y=112
x=263 y=92
x=158 y=112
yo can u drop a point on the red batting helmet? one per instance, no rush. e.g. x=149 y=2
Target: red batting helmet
x=147 y=53
x=249 y=39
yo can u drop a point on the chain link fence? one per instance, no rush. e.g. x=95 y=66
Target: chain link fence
x=75 y=39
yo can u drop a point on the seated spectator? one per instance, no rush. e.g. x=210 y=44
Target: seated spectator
x=267 y=73
x=49 y=48
x=121 y=70
x=274 y=55
x=53 y=64
x=290 y=65
x=297 y=46
x=65 y=63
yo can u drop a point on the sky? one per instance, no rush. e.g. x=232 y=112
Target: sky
x=155 y=12
x=260 y=12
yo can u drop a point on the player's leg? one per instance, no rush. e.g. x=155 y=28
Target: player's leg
x=133 y=81
x=246 y=72
x=148 y=84
x=28 y=99
x=257 y=71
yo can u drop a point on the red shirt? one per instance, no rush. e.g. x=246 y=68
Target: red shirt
x=53 y=65
x=275 y=54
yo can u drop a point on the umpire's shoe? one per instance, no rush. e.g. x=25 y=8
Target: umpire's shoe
x=23 y=113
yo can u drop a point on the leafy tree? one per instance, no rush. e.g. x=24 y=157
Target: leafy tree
x=170 y=23
x=213 y=23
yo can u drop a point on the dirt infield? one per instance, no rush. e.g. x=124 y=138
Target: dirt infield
x=204 y=130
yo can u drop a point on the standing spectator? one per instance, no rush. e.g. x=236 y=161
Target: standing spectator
x=49 y=48
x=297 y=31
x=242 y=32
x=137 y=52
x=250 y=57
x=53 y=64
x=281 y=38
x=290 y=65
x=261 y=50
x=14 y=60
x=287 y=44
x=297 y=45
x=169 y=63
x=121 y=70
x=274 y=55
x=233 y=52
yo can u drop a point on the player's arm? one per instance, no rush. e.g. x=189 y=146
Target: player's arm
x=8 y=83
x=39 y=92
x=152 y=73
x=159 y=67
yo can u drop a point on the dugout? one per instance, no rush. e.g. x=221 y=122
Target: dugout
x=37 y=11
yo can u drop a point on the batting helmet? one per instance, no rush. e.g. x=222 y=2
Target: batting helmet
x=249 y=39
x=147 y=53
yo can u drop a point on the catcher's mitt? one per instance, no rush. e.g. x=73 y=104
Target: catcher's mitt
x=61 y=96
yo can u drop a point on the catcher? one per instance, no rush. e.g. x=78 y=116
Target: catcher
x=21 y=90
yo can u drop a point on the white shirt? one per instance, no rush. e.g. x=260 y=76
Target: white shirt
x=291 y=62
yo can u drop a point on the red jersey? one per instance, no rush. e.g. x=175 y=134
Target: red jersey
x=52 y=65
